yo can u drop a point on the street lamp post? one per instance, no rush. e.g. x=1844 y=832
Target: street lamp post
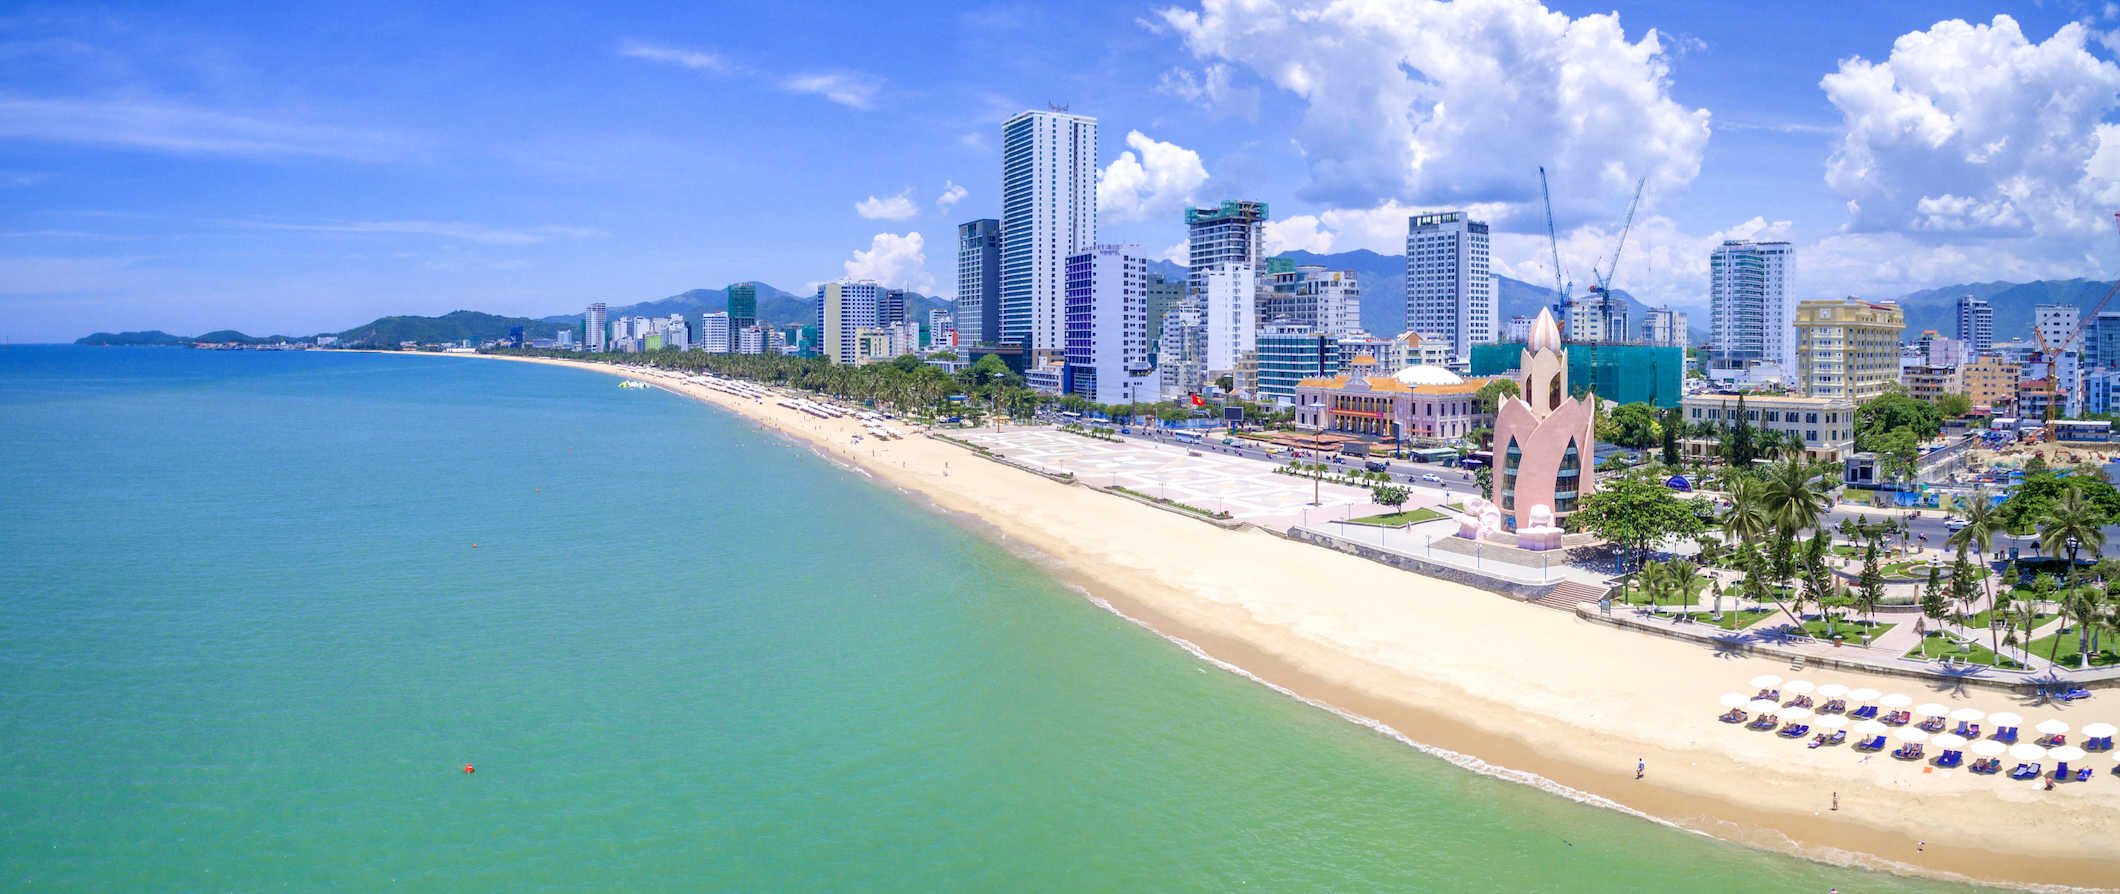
x=1317 y=438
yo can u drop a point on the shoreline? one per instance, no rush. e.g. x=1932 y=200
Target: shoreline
x=1485 y=682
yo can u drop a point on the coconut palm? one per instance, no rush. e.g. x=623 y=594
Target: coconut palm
x=1684 y=581
x=1747 y=518
x=1793 y=494
x=2071 y=524
x=1982 y=526
x=2085 y=611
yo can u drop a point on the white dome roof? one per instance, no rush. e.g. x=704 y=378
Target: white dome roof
x=1421 y=374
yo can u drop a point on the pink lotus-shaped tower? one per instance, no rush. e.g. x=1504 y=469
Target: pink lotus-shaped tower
x=1543 y=438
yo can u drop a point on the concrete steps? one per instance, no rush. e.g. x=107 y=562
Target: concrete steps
x=1567 y=593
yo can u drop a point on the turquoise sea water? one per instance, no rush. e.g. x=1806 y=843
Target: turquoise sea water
x=246 y=643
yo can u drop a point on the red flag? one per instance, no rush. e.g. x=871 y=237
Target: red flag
x=1196 y=401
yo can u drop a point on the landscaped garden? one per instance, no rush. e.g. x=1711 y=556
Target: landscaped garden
x=1937 y=645
x=1918 y=569
x=2069 y=654
x=1396 y=519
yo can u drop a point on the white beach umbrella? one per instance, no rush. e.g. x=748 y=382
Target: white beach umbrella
x=2053 y=727
x=2099 y=730
x=1912 y=734
x=1932 y=709
x=1864 y=694
x=1830 y=721
x=1763 y=706
x=1872 y=728
x=1795 y=714
x=2026 y=751
x=2067 y=753
x=1832 y=690
x=1988 y=748
x=1968 y=714
x=2005 y=718
x=1766 y=681
x=1895 y=700
x=1799 y=686
x=1735 y=699
x=1949 y=740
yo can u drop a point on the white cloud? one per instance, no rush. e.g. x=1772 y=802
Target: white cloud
x=1180 y=253
x=697 y=60
x=1381 y=229
x=895 y=261
x=1151 y=179
x=187 y=129
x=1211 y=90
x=1974 y=131
x=1461 y=102
x=951 y=195
x=898 y=207
x=853 y=90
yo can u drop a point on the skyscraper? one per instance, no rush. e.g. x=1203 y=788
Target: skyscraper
x=892 y=307
x=1048 y=214
x=594 y=333
x=842 y=309
x=1449 y=291
x=978 y=281
x=1233 y=233
x=1976 y=325
x=1752 y=306
x=1326 y=301
x=715 y=333
x=941 y=328
x=2056 y=324
x=2102 y=341
x=1231 y=309
x=1107 y=325
x=743 y=305
x=1162 y=293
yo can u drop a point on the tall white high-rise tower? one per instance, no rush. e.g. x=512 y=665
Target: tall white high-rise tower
x=1048 y=214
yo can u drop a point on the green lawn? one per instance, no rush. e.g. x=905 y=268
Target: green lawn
x=1936 y=645
x=1732 y=620
x=1408 y=517
x=1850 y=630
x=2108 y=650
x=1979 y=620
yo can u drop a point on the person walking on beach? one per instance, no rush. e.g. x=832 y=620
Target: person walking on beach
x=1836 y=800
x=1640 y=767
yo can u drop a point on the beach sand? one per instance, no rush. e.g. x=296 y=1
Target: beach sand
x=1514 y=685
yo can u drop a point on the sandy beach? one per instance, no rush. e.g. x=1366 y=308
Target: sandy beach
x=1554 y=700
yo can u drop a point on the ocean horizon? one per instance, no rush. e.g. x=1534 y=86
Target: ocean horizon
x=266 y=607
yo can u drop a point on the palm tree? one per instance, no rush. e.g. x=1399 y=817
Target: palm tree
x=2084 y=610
x=2023 y=615
x=1747 y=518
x=2071 y=524
x=1982 y=526
x=1793 y=495
x=1651 y=580
x=1685 y=582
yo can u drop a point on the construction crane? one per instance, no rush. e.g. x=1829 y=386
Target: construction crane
x=2083 y=321
x=1560 y=291
x=1604 y=280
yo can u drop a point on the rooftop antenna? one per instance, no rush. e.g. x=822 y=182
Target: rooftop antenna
x=1054 y=106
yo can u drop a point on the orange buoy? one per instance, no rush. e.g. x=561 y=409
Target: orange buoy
x=467 y=768
x=474 y=546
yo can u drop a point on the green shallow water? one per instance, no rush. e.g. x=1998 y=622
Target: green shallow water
x=247 y=644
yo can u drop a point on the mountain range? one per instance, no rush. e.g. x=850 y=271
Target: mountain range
x=1383 y=307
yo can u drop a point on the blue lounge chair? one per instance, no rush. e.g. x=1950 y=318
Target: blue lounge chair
x=1874 y=744
x=2025 y=771
x=2006 y=734
x=1865 y=712
x=2061 y=773
x=1794 y=731
x=1949 y=759
x=2083 y=775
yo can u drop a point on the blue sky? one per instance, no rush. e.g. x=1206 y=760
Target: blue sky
x=193 y=166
